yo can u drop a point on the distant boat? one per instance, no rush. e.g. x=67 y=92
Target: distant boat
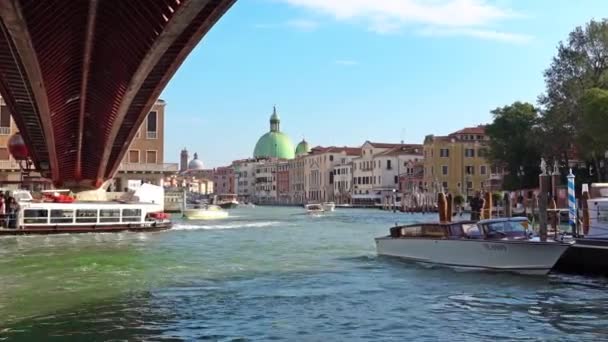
x=227 y=201
x=205 y=212
x=329 y=206
x=314 y=208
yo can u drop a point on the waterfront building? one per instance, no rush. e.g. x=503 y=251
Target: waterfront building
x=412 y=179
x=144 y=160
x=376 y=171
x=274 y=144
x=319 y=166
x=297 y=193
x=343 y=181
x=283 y=194
x=244 y=178
x=266 y=181
x=223 y=180
x=457 y=162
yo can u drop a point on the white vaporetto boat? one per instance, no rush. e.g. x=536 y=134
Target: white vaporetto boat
x=56 y=213
x=329 y=206
x=205 y=212
x=314 y=208
x=502 y=244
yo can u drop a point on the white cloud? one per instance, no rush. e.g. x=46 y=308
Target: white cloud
x=346 y=62
x=466 y=17
x=303 y=24
x=479 y=33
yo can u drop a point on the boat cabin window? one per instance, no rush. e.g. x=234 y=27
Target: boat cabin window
x=427 y=231
x=131 y=215
x=109 y=215
x=86 y=216
x=35 y=216
x=456 y=231
x=62 y=216
x=506 y=229
x=471 y=231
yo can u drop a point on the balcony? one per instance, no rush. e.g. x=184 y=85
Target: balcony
x=151 y=135
x=9 y=165
x=5 y=130
x=495 y=176
x=157 y=168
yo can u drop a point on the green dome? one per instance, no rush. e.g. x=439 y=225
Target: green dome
x=302 y=148
x=274 y=145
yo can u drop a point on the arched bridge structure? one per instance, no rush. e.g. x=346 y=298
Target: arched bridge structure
x=80 y=76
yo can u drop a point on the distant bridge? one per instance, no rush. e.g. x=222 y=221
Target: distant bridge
x=79 y=76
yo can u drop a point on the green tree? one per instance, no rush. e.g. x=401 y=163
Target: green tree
x=592 y=134
x=513 y=144
x=581 y=63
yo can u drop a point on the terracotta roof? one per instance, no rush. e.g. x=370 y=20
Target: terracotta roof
x=481 y=129
x=350 y=151
x=383 y=145
x=403 y=149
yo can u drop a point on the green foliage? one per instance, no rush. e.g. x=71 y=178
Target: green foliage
x=513 y=143
x=580 y=65
x=573 y=114
x=496 y=198
x=458 y=200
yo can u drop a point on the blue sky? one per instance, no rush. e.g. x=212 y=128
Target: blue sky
x=345 y=71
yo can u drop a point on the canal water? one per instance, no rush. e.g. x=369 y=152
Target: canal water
x=275 y=274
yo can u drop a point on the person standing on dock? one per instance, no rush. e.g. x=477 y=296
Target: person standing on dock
x=476 y=206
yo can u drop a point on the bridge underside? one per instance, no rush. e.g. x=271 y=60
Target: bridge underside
x=80 y=76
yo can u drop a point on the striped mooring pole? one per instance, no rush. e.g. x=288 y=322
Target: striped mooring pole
x=572 y=202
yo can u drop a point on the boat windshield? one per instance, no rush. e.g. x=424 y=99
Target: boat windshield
x=507 y=229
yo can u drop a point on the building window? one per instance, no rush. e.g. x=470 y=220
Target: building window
x=151 y=157
x=388 y=165
x=469 y=152
x=152 y=125
x=5 y=121
x=331 y=158
x=469 y=170
x=482 y=170
x=444 y=153
x=133 y=156
x=444 y=185
x=444 y=170
x=469 y=185
x=396 y=179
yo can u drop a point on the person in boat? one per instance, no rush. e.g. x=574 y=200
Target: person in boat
x=476 y=206
x=13 y=211
x=2 y=210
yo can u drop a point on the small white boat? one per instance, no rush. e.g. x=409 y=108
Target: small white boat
x=329 y=206
x=314 y=208
x=205 y=212
x=502 y=244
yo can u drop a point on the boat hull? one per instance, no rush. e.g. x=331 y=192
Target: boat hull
x=72 y=229
x=509 y=256
x=228 y=205
x=202 y=214
x=586 y=256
